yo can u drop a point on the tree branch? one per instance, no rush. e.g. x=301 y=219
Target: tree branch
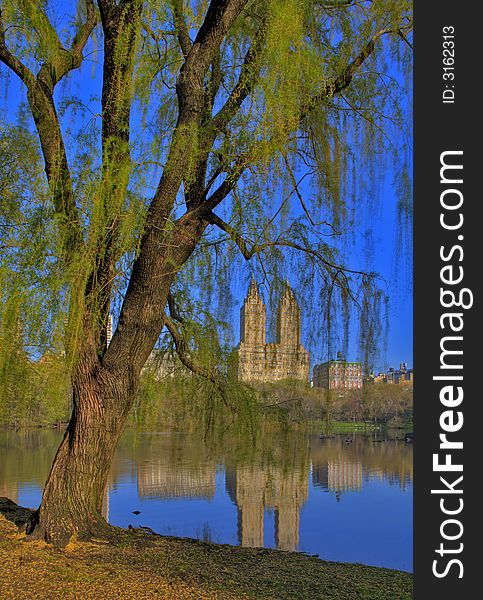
x=249 y=253
x=246 y=81
x=297 y=192
x=106 y=10
x=163 y=252
x=242 y=244
x=39 y=94
x=330 y=89
x=335 y=3
x=227 y=186
x=63 y=61
x=187 y=358
x=11 y=61
x=173 y=309
x=191 y=102
x=181 y=27
x=216 y=77
x=210 y=126
x=342 y=81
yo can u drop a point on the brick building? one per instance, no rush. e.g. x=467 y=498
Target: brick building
x=338 y=374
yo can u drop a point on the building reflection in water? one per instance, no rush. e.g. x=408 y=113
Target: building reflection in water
x=274 y=475
x=281 y=486
x=161 y=479
x=338 y=476
x=254 y=488
x=9 y=490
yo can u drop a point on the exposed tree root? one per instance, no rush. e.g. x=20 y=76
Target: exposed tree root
x=26 y=520
x=18 y=515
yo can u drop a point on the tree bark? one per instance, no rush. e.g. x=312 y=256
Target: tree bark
x=73 y=494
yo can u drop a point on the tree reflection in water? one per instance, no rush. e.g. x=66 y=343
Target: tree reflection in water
x=272 y=471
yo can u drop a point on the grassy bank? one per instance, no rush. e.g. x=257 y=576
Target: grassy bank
x=140 y=566
x=346 y=426
x=354 y=426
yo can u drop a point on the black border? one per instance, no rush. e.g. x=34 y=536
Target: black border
x=440 y=127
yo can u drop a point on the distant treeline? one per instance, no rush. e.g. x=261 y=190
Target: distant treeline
x=34 y=393
x=378 y=403
x=38 y=393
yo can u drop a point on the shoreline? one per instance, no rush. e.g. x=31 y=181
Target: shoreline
x=140 y=565
x=311 y=425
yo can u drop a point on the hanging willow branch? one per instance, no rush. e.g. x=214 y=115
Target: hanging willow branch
x=40 y=90
x=226 y=118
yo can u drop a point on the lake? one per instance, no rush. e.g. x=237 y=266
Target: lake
x=343 y=500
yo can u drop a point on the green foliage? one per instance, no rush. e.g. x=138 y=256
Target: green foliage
x=31 y=308
x=309 y=162
x=377 y=403
x=30 y=281
x=34 y=393
x=173 y=398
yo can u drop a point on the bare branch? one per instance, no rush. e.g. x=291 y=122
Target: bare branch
x=227 y=186
x=361 y=113
x=249 y=253
x=246 y=81
x=233 y=234
x=187 y=357
x=403 y=36
x=11 y=61
x=296 y=189
x=181 y=27
x=343 y=80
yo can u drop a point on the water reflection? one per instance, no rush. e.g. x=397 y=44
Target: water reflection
x=159 y=479
x=256 y=488
x=343 y=501
x=338 y=476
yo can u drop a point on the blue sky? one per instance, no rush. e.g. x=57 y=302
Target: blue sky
x=383 y=221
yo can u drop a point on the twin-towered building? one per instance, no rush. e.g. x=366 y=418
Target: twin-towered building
x=259 y=361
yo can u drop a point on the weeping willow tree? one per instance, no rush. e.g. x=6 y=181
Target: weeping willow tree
x=207 y=112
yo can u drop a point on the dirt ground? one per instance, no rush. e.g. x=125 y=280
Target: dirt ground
x=142 y=566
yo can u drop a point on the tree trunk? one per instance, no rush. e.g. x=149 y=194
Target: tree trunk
x=104 y=390
x=73 y=495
